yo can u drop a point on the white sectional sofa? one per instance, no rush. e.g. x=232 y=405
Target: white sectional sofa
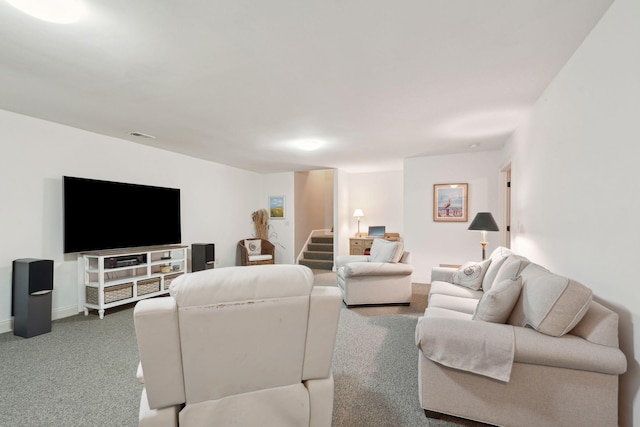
x=516 y=345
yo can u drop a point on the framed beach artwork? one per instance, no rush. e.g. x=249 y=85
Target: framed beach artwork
x=276 y=207
x=450 y=202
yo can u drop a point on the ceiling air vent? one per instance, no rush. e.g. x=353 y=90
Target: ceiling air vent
x=142 y=135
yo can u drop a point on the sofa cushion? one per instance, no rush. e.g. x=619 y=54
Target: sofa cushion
x=498 y=256
x=550 y=303
x=497 y=303
x=385 y=251
x=511 y=267
x=464 y=305
x=447 y=288
x=471 y=274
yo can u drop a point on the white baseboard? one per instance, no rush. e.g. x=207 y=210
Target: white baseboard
x=60 y=313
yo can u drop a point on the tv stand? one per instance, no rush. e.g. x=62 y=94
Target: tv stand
x=116 y=277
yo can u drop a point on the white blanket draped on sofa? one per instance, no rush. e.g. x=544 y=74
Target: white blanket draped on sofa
x=483 y=348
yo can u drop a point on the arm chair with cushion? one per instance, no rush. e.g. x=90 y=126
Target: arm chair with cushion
x=384 y=277
x=256 y=252
x=237 y=346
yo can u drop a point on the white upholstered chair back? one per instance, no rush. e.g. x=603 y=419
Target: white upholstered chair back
x=252 y=337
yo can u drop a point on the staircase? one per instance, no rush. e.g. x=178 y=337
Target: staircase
x=319 y=253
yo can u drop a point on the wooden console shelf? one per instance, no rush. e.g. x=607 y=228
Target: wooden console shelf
x=115 y=277
x=357 y=245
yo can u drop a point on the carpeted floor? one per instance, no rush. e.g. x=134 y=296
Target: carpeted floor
x=83 y=372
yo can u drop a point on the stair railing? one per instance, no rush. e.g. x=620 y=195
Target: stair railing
x=321 y=232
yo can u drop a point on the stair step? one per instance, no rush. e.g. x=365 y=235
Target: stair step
x=322 y=239
x=317 y=264
x=320 y=247
x=318 y=255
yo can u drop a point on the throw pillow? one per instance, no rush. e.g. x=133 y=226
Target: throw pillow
x=383 y=250
x=397 y=256
x=254 y=247
x=497 y=303
x=498 y=256
x=470 y=275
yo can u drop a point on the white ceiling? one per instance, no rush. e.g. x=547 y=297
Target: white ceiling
x=235 y=81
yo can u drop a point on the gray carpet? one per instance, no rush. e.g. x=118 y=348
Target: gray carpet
x=83 y=372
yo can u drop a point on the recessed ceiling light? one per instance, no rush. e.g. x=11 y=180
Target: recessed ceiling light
x=308 y=144
x=56 y=11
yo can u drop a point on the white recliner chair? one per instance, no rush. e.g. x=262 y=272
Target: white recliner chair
x=239 y=346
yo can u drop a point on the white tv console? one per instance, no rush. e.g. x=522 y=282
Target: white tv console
x=111 y=278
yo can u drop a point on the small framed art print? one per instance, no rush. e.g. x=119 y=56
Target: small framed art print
x=450 y=202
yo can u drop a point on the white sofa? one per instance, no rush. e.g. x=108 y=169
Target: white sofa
x=528 y=348
x=239 y=346
x=384 y=277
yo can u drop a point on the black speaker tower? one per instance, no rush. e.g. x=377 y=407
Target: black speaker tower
x=32 y=284
x=202 y=256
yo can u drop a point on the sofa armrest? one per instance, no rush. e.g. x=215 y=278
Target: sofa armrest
x=359 y=269
x=342 y=260
x=442 y=274
x=567 y=351
x=157 y=332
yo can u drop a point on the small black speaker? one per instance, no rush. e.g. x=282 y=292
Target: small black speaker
x=202 y=256
x=31 y=285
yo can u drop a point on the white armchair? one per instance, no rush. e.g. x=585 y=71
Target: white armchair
x=238 y=346
x=384 y=277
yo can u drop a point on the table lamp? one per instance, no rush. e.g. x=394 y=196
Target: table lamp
x=358 y=213
x=484 y=222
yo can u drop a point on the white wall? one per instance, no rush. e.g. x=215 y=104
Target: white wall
x=281 y=231
x=433 y=243
x=576 y=179
x=380 y=196
x=36 y=154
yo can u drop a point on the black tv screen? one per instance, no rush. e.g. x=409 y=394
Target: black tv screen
x=110 y=215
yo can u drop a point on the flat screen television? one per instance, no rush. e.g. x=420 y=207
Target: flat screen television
x=114 y=215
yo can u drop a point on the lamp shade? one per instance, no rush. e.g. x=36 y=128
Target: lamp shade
x=358 y=213
x=483 y=222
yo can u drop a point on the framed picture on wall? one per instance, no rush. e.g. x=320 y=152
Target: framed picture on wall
x=450 y=202
x=276 y=207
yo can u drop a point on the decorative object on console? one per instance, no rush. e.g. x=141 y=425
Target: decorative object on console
x=450 y=202
x=483 y=222
x=358 y=214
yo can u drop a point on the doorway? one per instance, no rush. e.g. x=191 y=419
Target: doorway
x=505 y=198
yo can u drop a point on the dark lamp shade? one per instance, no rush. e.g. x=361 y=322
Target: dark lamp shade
x=483 y=222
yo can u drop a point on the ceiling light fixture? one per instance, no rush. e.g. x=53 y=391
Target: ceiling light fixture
x=308 y=144
x=56 y=11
